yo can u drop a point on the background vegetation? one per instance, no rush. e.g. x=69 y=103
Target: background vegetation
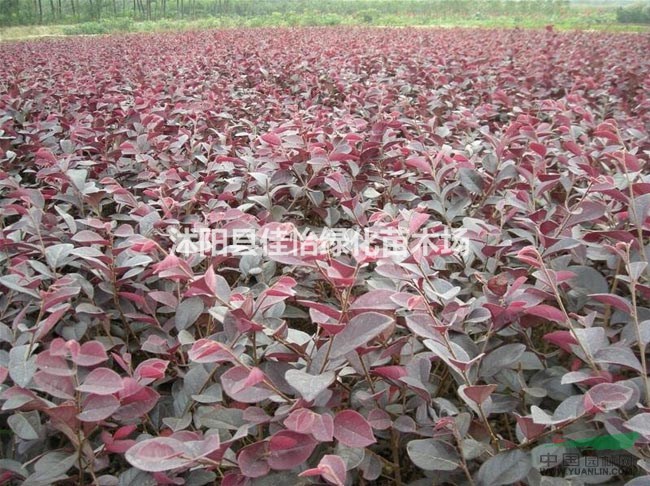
x=638 y=13
x=56 y=11
x=33 y=18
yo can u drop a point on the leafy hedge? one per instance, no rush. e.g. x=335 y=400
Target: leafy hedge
x=454 y=285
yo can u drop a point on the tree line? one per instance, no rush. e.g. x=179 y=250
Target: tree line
x=21 y=12
x=28 y=12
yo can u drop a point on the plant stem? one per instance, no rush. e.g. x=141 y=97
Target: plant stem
x=394 y=445
x=639 y=338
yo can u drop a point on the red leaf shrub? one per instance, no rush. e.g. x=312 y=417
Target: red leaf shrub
x=324 y=252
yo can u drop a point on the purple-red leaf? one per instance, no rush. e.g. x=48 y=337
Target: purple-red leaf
x=479 y=393
x=89 y=354
x=136 y=403
x=101 y=381
x=331 y=468
x=150 y=370
x=59 y=386
x=359 y=332
x=252 y=460
x=159 y=454
x=288 y=449
x=245 y=385
x=605 y=397
x=351 y=429
x=547 y=312
x=209 y=351
x=615 y=301
x=98 y=407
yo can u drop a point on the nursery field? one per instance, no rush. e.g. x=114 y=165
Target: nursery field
x=325 y=256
